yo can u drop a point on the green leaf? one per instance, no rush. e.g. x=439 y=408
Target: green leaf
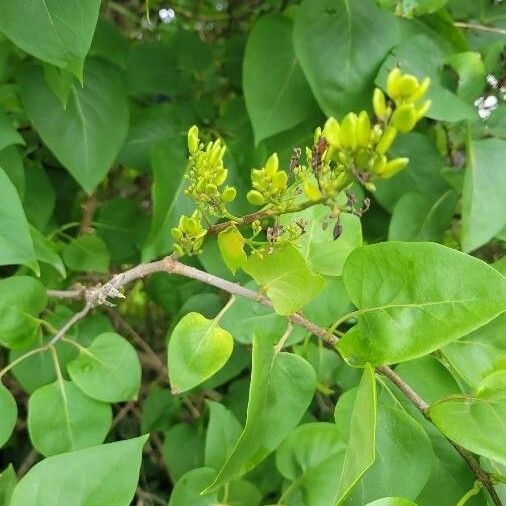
x=12 y=163
x=392 y=501
x=340 y=45
x=275 y=89
x=222 y=433
x=282 y=386
x=476 y=422
x=9 y=411
x=63 y=419
x=286 y=278
x=169 y=202
x=311 y=458
x=480 y=353
x=246 y=317
x=87 y=253
x=413 y=298
x=231 y=244
x=471 y=71
x=21 y=300
x=105 y=474
x=404 y=458
x=198 y=348
x=160 y=410
x=8 y=134
x=87 y=136
x=45 y=253
x=39 y=196
x=16 y=245
x=323 y=254
x=422 y=175
x=123 y=226
x=8 y=481
x=420 y=218
x=108 y=370
x=183 y=449
x=483 y=205
x=360 y=451
x=56 y=32
x=187 y=491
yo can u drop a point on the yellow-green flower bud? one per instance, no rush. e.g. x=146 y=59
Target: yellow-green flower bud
x=176 y=234
x=211 y=189
x=379 y=164
x=363 y=129
x=421 y=91
x=422 y=110
x=394 y=82
x=220 y=177
x=404 y=118
x=312 y=191
x=190 y=225
x=193 y=139
x=228 y=194
x=332 y=132
x=349 y=131
x=256 y=198
x=379 y=103
x=393 y=167
x=408 y=85
x=386 y=140
x=272 y=165
x=279 y=180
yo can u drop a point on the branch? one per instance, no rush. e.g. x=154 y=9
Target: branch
x=481 y=28
x=260 y=215
x=169 y=264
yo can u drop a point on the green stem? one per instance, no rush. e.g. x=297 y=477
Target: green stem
x=471 y=493
x=14 y=363
x=225 y=308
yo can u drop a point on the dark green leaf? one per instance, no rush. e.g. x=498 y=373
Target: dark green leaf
x=56 y=32
x=340 y=46
x=276 y=92
x=87 y=136
x=484 y=205
x=16 y=245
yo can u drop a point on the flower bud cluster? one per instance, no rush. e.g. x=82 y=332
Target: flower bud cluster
x=269 y=183
x=207 y=174
x=189 y=235
x=357 y=147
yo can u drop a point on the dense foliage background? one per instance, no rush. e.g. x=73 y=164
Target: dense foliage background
x=96 y=99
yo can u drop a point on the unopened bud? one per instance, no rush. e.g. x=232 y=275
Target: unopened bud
x=255 y=197
x=379 y=103
x=271 y=165
x=393 y=83
x=228 y=194
x=312 y=191
x=386 y=140
x=349 y=131
x=404 y=118
x=332 y=132
x=193 y=139
x=363 y=129
x=393 y=167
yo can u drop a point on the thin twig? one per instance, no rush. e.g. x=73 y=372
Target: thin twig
x=88 y=206
x=480 y=28
x=172 y=266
